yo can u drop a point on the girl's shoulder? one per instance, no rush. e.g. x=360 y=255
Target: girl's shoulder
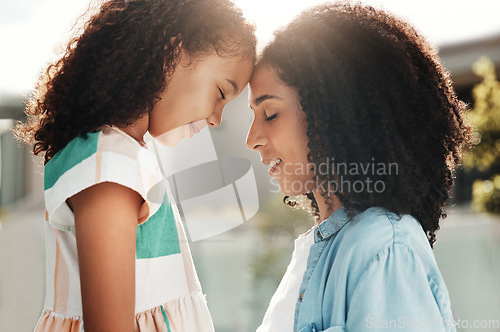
x=106 y=155
x=103 y=148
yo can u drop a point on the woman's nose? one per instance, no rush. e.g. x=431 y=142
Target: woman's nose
x=255 y=137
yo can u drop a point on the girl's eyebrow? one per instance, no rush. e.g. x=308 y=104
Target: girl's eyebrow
x=235 y=87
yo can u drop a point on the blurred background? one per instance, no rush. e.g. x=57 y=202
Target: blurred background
x=240 y=269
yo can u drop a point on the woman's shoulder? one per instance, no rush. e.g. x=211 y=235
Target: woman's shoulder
x=376 y=234
x=385 y=251
x=380 y=228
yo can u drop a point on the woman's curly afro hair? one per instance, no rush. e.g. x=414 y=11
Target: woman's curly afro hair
x=113 y=72
x=374 y=93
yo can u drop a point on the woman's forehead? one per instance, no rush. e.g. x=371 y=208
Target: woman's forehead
x=265 y=82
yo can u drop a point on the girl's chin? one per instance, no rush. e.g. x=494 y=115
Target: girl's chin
x=155 y=132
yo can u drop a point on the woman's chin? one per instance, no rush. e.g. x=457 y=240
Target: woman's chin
x=290 y=192
x=295 y=187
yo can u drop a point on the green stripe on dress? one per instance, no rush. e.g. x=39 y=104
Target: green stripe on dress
x=76 y=151
x=165 y=318
x=157 y=237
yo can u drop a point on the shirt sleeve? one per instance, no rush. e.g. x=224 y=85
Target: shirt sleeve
x=99 y=157
x=394 y=293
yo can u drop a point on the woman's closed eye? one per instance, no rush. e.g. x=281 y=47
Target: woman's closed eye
x=272 y=117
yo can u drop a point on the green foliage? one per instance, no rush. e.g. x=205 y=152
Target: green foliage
x=486 y=153
x=278 y=219
x=3 y=216
x=278 y=226
x=486 y=195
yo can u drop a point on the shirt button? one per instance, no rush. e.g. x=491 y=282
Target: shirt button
x=301 y=297
x=319 y=234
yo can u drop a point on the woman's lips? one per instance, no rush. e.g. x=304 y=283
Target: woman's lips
x=275 y=164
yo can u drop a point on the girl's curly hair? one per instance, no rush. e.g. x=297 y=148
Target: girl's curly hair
x=113 y=72
x=374 y=93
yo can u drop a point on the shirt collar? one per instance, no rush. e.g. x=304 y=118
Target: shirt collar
x=331 y=225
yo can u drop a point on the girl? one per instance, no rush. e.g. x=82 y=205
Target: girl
x=353 y=109
x=117 y=256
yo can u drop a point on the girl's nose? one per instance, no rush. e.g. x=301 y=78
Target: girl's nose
x=215 y=119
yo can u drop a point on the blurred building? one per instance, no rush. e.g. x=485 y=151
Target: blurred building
x=458 y=60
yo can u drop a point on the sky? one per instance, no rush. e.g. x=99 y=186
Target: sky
x=32 y=31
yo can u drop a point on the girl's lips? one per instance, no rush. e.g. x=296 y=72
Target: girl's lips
x=192 y=130
x=196 y=126
x=195 y=129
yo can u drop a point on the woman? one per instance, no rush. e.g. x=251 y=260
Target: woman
x=353 y=110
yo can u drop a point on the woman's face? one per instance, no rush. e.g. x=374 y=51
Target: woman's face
x=199 y=89
x=278 y=132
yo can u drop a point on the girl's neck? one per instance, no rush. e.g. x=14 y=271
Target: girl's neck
x=137 y=130
x=324 y=209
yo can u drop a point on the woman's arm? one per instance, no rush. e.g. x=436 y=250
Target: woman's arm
x=395 y=293
x=106 y=223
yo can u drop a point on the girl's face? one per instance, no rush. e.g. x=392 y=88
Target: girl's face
x=278 y=132
x=199 y=89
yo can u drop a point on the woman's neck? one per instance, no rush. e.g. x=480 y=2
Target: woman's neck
x=324 y=209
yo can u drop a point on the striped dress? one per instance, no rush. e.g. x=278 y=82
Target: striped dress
x=167 y=291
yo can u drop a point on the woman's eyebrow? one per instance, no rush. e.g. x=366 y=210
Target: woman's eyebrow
x=259 y=100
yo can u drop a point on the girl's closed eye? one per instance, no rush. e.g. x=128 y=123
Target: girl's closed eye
x=222 y=95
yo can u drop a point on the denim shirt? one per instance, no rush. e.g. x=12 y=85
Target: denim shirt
x=375 y=272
